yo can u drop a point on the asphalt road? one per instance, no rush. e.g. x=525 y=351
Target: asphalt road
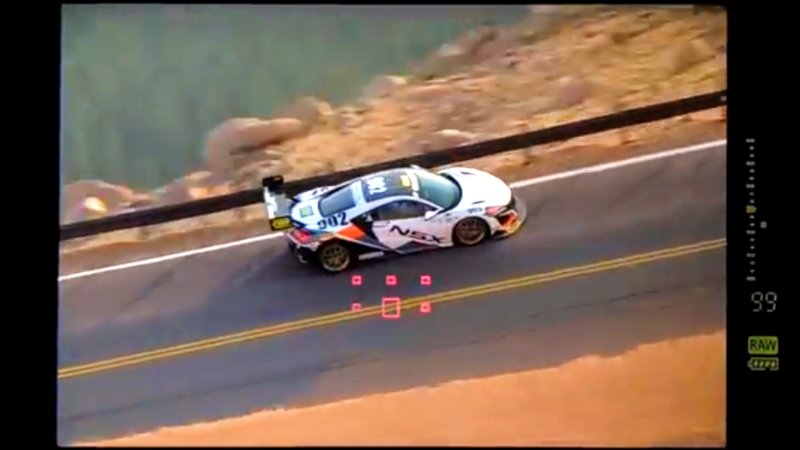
x=572 y=222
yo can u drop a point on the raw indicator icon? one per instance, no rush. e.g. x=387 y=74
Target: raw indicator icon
x=762 y=345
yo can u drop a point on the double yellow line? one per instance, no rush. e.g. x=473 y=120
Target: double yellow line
x=345 y=316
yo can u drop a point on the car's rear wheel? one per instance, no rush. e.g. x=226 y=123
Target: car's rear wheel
x=334 y=257
x=470 y=231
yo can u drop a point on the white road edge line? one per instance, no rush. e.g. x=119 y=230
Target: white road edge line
x=518 y=184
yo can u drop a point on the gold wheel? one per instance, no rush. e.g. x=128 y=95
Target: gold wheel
x=334 y=257
x=471 y=231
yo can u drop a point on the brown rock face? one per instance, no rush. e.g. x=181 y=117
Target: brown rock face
x=710 y=115
x=310 y=111
x=246 y=134
x=431 y=93
x=111 y=196
x=469 y=49
x=572 y=91
x=347 y=119
x=87 y=209
x=383 y=86
x=197 y=185
x=250 y=176
x=444 y=139
x=439 y=140
x=687 y=55
x=245 y=158
x=142 y=201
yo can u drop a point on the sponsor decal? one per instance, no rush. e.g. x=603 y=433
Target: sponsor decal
x=476 y=210
x=376 y=185
x=370 y=255
x=416 y=235
x=306 y=211
x=336 y=220
x=319 y=191
x=280 y=223
x=405 y=181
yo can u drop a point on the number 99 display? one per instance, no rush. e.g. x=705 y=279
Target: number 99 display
x=766 y=302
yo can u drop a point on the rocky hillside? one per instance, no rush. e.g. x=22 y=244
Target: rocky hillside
x=559 y=65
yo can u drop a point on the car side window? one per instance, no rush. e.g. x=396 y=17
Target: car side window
x=401 y=209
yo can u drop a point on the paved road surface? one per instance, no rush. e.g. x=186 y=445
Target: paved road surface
x=573 y=221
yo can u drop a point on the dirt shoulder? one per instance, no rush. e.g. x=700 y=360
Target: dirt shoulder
x=670 y=393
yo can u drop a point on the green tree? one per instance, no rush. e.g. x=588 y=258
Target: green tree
x=142 y=84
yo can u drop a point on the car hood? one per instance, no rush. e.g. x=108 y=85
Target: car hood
x=479 y=188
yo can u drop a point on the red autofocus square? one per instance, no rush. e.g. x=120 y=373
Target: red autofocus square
x=425 y=307
x=355 y=307
x=356 y=280
x=425 y=280
x=391 y=280
x=390 y=307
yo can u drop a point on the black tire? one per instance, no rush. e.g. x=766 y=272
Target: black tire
x=335 y=257
x=470 y=231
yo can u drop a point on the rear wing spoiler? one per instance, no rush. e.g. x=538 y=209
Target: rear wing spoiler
x=276 y=203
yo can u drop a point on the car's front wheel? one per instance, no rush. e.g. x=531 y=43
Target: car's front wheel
x=334 y=257
x=470 y=231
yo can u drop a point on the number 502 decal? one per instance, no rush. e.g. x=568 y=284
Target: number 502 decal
x=337 y=220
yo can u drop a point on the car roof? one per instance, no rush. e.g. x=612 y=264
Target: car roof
x=376 y=189
x=386 y=184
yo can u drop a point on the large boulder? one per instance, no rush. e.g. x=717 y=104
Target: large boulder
x=571 y=91
x=197 y=185
x=347 y=119
x=242 y=159
x=87 y=209
x=141 y=201
x=383 y=86
x=250 y=176
x=110 y=195
x=452 y=56
x=444 y=139
x=535 y=105
x=431 y=92
x=242 y=135
x=439 y=140
x=310 y=111
x=687 y=54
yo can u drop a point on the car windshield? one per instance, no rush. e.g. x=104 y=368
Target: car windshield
x=337 y=201
x=438 y=189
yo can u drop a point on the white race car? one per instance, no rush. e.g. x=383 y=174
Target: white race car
x=394 y=212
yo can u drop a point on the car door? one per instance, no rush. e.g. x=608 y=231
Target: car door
x=401 y=226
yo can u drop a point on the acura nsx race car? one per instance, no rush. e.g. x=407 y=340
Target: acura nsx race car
x=392 y=212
